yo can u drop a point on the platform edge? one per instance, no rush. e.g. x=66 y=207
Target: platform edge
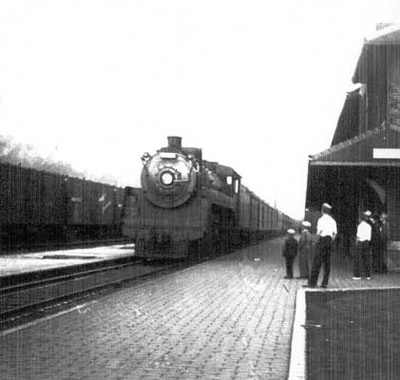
x=297 y=365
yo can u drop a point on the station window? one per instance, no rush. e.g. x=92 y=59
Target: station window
x=236 y=186
x=229 y=180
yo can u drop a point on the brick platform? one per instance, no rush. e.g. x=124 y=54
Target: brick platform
x=230 y=318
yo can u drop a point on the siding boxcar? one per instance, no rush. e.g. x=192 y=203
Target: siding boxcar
x=38 y=207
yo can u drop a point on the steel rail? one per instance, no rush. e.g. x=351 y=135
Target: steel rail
x=28 y=298
x=66 y=277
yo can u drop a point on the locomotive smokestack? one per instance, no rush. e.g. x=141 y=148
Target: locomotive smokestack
x=175 y=142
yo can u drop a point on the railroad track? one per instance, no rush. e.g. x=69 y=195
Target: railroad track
x=21 y=300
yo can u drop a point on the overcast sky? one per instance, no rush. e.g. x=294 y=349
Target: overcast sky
x=258 y=85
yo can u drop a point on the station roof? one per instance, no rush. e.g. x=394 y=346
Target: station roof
x=377 y=147
x=374 y=51
x=348 y=122
x=390 y=35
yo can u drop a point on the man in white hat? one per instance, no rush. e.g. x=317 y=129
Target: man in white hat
x=289 y=252
x=305 y=250
x=362 y=252
x=326 y=231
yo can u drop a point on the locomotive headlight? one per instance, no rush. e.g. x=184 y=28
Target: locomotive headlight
x=167 y=178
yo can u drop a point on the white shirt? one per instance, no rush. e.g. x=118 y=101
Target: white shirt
x=326 y=226
x=364 y=231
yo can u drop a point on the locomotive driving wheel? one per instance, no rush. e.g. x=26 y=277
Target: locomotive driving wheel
x=139 y=247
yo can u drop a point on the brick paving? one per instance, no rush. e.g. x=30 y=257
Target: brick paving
x=230 y=318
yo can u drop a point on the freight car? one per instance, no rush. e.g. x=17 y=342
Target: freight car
x=39 y=208
x=188 y=205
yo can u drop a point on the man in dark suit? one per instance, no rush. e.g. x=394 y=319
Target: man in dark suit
x=289 y=252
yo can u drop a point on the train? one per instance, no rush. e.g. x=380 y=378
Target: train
x=190 y=207
x=38 y=208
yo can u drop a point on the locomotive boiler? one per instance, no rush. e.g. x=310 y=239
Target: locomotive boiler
x=189 y=206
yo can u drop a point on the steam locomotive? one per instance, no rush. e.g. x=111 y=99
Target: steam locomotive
x=189 y=206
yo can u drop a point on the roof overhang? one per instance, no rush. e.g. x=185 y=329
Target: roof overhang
x=377 y=147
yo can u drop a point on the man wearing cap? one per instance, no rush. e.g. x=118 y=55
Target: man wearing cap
x=362 y=254
x=289 y=252
x=326 y=232
x=384 y=241
x=305 y=250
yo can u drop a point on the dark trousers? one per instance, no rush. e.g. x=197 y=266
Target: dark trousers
x=362 y=257
x=322 y=258
x=378 y=259
x=384 y=258
x=289 y=266
x=376 y=255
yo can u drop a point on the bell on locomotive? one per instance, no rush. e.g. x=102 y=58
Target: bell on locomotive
x=169 y=177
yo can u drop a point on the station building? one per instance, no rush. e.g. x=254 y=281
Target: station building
x=361 y=169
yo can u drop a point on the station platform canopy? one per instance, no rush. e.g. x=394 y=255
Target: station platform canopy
x=335 y=173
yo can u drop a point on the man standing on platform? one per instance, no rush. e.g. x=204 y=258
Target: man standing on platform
x=305 y=250
x=362 y=253
x=289 y=252
x=384 y=241
x=376 y=244
x=326 y=232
